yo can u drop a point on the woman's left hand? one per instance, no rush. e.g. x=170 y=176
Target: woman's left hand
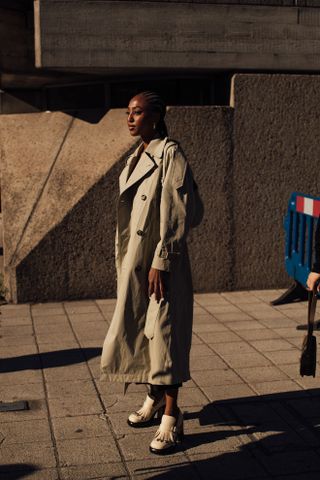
x=156 y=284
x=312 y=278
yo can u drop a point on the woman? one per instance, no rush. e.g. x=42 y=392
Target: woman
x=149 y=337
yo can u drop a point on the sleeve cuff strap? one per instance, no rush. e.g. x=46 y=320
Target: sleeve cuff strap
x=161 y=264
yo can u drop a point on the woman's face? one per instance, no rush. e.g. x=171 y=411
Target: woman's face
x=140 y=118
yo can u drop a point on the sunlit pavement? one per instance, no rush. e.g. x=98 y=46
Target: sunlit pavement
x=248 y=413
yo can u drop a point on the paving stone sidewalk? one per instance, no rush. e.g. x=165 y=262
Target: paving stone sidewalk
x=248 y=413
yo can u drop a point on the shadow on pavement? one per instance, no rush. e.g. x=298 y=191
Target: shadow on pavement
x=271 y=436
x=16 y=471
x=56 y=358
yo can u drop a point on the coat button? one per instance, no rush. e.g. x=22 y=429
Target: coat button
x=140 y=233
x=143 y=197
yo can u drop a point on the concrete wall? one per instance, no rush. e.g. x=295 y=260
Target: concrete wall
x=276 y=152
x=205 y=135
x=292 y=3
x=277 y=3
x=159 y=36
x=16 y=38
x=60 y=185
x=59 y=188
x=59 y=191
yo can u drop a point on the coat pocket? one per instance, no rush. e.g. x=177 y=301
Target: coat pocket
x=152 y=316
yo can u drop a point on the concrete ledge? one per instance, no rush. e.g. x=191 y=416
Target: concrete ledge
x=54 y=193
x=176 y=35
x=60 y=187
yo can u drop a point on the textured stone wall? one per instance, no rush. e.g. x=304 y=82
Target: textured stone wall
x=16 y=39
x=277 y=3
x=60 y=186
x=59 y=190
x=276 y=152
x=176 y=36
x=205 y=136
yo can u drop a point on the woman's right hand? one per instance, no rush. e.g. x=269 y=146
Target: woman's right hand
x=312 y=279
x=156 y=284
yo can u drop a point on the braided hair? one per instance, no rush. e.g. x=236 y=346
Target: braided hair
x=156 y=104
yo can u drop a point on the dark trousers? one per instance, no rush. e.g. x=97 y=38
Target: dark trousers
x=157 y=390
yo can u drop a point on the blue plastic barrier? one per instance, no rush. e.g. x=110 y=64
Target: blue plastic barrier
x=299 y=225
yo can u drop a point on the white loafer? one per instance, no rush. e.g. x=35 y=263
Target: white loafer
x=149 y=410
x=168 y=435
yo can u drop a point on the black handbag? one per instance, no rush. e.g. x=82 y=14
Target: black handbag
x=308 y=359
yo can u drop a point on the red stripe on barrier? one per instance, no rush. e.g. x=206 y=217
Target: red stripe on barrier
x=300 y=204
x=316 y=208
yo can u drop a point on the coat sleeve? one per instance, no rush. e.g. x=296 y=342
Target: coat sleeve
x=177 y=208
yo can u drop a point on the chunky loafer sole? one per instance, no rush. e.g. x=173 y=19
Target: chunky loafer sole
x=164 y=451
x=147 y=423
x=168 y=436
x=154 y=420
x=167 y=451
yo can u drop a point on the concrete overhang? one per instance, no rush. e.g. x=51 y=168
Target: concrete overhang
x=152 y=36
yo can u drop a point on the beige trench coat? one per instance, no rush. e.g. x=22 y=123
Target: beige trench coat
x=149 y=342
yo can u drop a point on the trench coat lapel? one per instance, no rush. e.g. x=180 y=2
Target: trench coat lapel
x=150 y=159
x=124 y=174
